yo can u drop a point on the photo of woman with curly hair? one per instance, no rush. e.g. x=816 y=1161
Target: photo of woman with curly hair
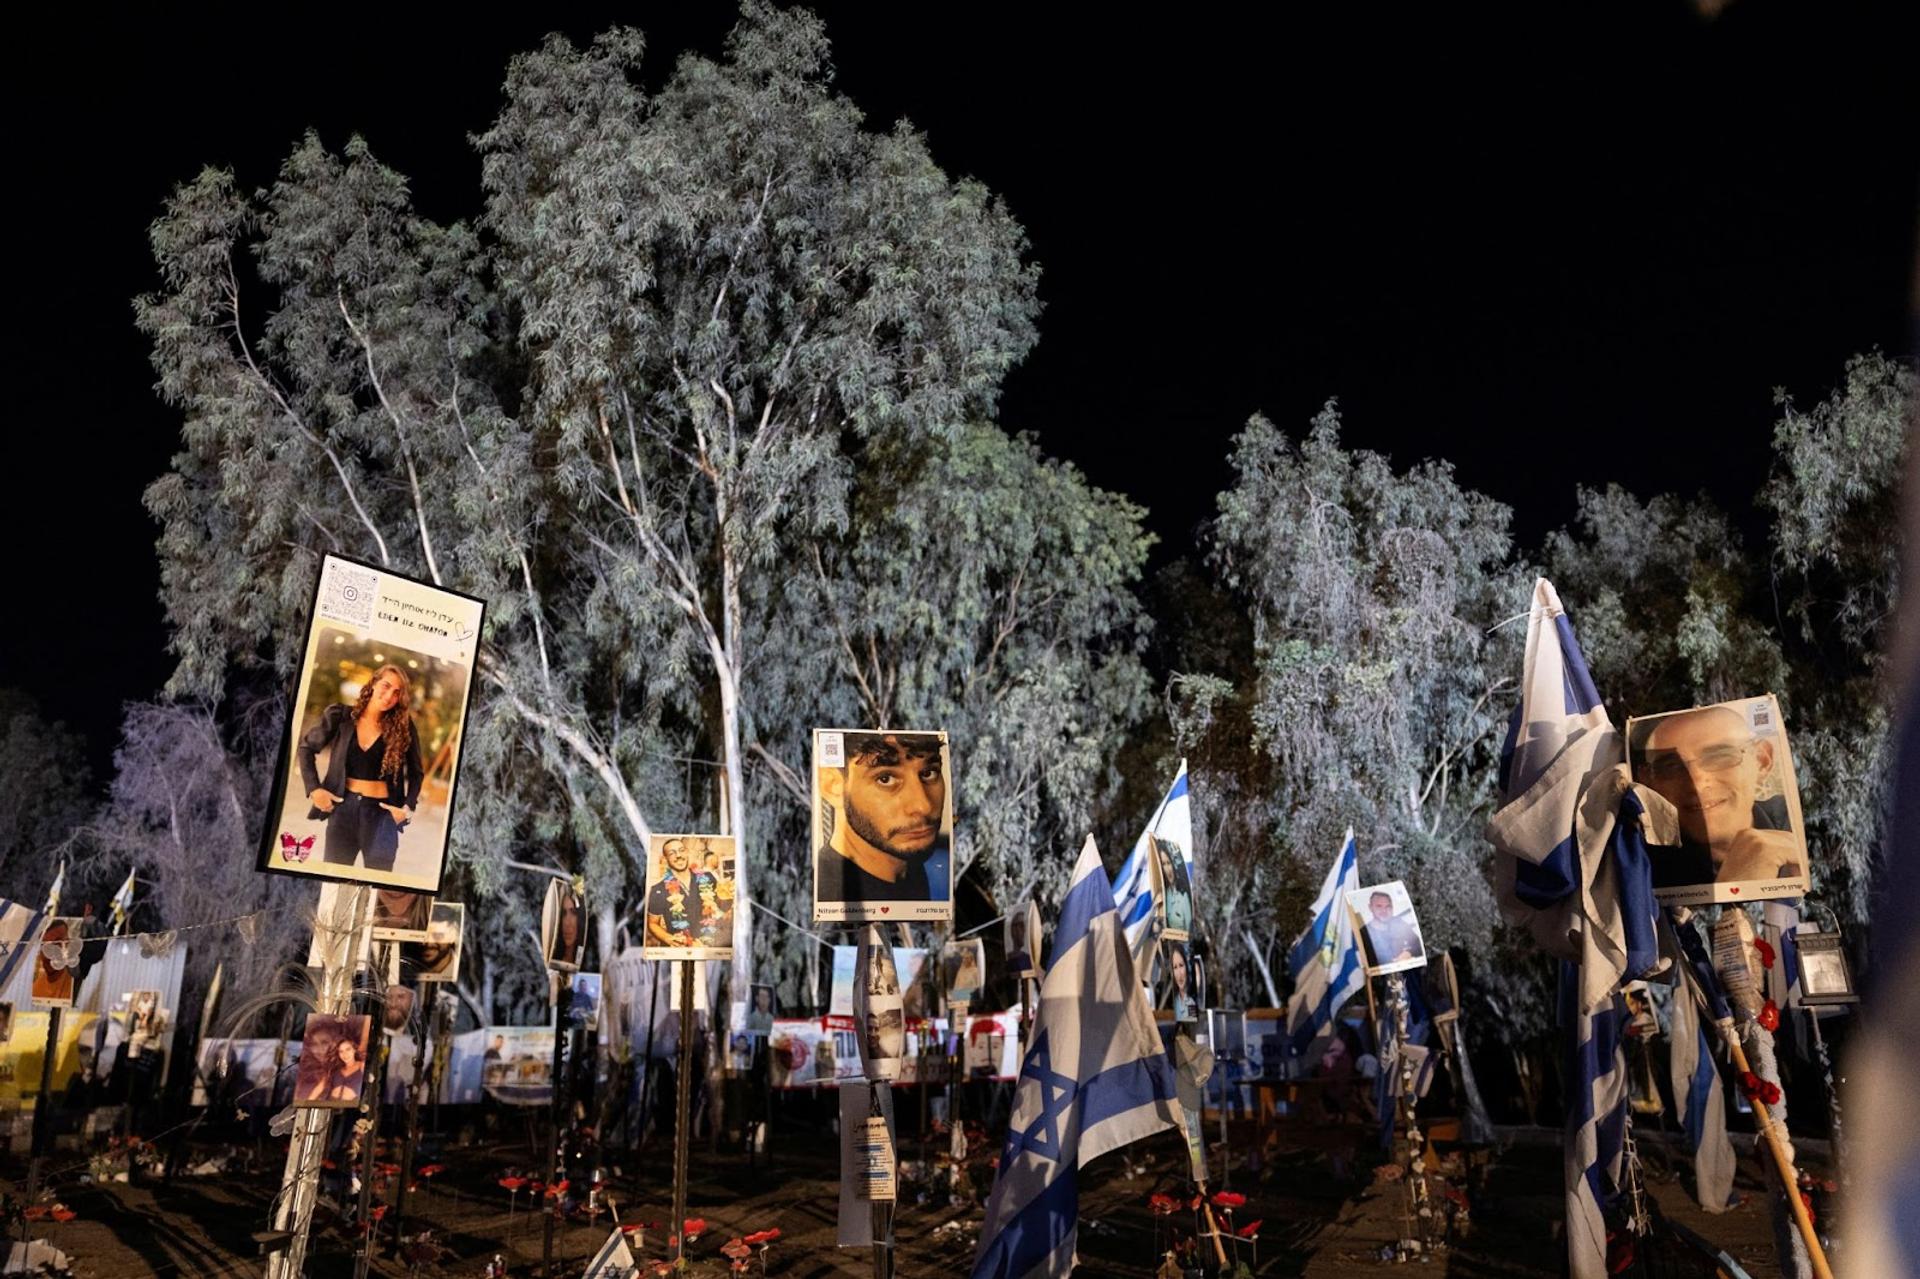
x=374 y=772
x=364 y=789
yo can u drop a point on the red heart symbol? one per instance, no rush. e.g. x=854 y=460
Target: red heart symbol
x=1733 y=892
x=885 y=909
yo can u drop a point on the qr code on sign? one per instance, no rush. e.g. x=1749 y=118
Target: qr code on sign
x=347 y=594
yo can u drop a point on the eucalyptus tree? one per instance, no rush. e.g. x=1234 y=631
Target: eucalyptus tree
x=621 y=410
x=1835 y=497
x=1381 y=677
x=986 y=589
x=1667 y=602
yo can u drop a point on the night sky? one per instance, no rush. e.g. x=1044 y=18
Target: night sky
x=1598 y=239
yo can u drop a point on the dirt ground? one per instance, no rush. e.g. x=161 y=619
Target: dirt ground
x=1314 y=1221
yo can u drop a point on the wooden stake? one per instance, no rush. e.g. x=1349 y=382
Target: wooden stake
x=1790 y=1179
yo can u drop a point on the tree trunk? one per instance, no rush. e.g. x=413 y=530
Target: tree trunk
x=1260 y=962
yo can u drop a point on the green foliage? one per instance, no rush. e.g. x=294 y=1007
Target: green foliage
x=1377 y=693
x=1669 y=608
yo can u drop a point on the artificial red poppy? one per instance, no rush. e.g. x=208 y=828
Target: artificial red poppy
x=63 y=1214
x=37 y=1213
x=1229 y=1200
x=1163 y=1205
x=737 y=1249
x=694 y=1228
x=760 y=1237
x=1765 y=948
x=379 y=1211
x=432 y=1170
x=1769 y=1016
x=1251 y=1229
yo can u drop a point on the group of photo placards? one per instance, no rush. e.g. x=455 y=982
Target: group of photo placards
x=369 y=761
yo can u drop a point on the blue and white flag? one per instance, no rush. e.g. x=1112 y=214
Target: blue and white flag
x=1325 y=961
x=19 y=927
x=1700 y=1099
x=1133 y=883
x=1596 y=1122
x=1095 y=1078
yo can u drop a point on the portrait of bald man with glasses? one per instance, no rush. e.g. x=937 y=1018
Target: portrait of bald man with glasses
x=1725 y=770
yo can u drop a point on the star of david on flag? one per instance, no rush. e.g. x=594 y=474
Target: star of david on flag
x=1094 y=1079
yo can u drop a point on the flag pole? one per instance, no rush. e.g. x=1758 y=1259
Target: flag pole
x=1769 y=1131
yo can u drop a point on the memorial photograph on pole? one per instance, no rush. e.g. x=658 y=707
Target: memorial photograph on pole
x=563 y=926
x=882 y=837
x=365 y=787
x=437 y=956
x=1389 y=928
x=54 y=960
x=690 y=891
x=333 y=1061
x=1728 y=772
x=400 y=915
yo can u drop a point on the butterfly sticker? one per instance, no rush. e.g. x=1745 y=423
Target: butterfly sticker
x=62 y=954
x=157 y=945
x=282 y=1124
x=295 y=850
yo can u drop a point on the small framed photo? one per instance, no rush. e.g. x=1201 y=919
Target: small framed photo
x=882 y=830
x=54 y=961
x=563 y=927
x=437 y=958
x=333 y=1061
x=1173 y=889
x=963 y=969
x=1728 y=773
x=583 y=1001
x=1389 y=929
x=759 y=1012
x=399 y=915
x=1177 y=967
x=1020 y=938
x=396 y=1009
x=1825 y=976
x=689 y=908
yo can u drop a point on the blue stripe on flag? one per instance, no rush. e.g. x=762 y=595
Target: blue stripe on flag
x=1582 y=696
x=1125 y=1087
x=1639 y=911
x=1035 y=1232
x=1085 y=900
x=1701 y=1090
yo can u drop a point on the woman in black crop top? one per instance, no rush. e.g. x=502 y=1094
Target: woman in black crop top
x=374 y=773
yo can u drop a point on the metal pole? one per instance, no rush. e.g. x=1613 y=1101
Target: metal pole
x=880 y=1105
x=413 y=1107
x=341 y=922
x=682 y=1120
x=43 y=1104
x=561 y=1032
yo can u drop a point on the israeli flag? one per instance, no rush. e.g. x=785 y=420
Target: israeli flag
x=1596 y=1121
x=1700 y=1099
x=1325 y=960
x=1095 y=1078
x=122 y=904
x=1133 y=883
x=19 y=927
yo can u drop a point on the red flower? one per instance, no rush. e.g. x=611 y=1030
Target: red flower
x=557 y=1189
x=1249 y=1230
x=1749 y=1084
x=512 y=1183
x=379 y=1211
x=1163 y=1205
x=37 y=1213
x=1769 y=1092
x=1228 y=1200
x=631 y=1227
x=737 y=1249
x=759 y=1237
x=1769 y=1016
x=63 y=1214
x=1765 y=948
x=694 y=1228
x=431 y=1170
